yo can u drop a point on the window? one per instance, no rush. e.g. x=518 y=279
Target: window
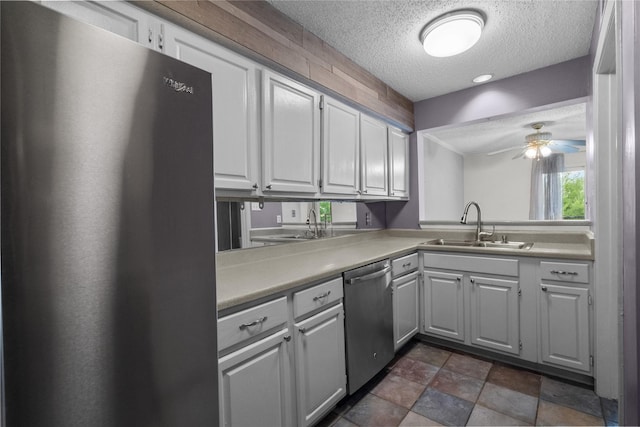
x=573 y=194
x=325 y=212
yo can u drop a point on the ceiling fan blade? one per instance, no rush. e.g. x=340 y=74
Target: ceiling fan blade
x=574 y=142
x=520 y=154
x=564 y=148
x=504 y=150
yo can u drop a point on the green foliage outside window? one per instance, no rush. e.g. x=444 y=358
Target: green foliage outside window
x=325 y=212
x=573 y=195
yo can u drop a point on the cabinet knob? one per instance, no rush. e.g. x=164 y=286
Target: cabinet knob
x=472 y=281
x=458 y=279
x=302 y=330
x=255 y=186
x=268 y=187
x=544 y=289
x=364 y=191
x=287 y=338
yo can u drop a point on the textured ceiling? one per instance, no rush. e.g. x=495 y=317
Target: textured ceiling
x=383 y=37
x=568 y=122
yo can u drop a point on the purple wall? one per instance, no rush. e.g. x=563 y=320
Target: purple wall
x=630 y=78
x=377 y=214
x=267 y=216
x=556 y=83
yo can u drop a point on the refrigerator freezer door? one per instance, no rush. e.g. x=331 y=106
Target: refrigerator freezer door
x=107 y=226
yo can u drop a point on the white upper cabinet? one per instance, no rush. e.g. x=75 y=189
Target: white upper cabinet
x=117 y=17
x=235 y=114
x=340 y=148
x=373 y=143
x=291 y=136
x=398 y=163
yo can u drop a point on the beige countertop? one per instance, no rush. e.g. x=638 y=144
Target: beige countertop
x=247 y=275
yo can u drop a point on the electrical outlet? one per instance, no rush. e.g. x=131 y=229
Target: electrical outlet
x=293 y=213
x=367 y=218
x=278 y=219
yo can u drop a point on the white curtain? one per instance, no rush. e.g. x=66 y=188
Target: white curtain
x=546 y=188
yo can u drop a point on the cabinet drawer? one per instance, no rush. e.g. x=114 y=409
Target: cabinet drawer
x=317 y=296
x=404 y=265
x=249 y=323
x=565 y=271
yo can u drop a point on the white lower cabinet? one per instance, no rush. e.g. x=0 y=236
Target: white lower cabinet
x=405 y=308
x=285 y=363
x=469 y=303
x=443 y=304
x=320 y=364
x=564 y=326
x=495 y=313
x=255 y=383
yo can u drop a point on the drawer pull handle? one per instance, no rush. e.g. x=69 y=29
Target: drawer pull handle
x=302 y=330
x=564 y=273
x=254 y=323
x=472 y=281
x=408 y=264
x=458 y=279
x=544 y=289
x=287 y=338
x=326 y=294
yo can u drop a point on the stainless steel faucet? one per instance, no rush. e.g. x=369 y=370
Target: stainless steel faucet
x=479 y=233
x=315 y=223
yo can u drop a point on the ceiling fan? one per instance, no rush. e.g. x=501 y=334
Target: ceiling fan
x=539 y=145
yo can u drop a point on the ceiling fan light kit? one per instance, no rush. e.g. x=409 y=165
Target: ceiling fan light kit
x=452 y=33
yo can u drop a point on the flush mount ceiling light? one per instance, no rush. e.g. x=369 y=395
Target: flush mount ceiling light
x=452 y=33
x=483 y=78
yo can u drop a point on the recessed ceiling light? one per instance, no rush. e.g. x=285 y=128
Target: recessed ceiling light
x=483 y=78
x=452 y=33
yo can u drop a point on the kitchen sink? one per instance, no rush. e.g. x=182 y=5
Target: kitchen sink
x=483 y=244
x=293 y=236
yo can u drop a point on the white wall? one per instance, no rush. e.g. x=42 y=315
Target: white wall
x=295 y=212
x=343 y=212
x=442 y=182
x=500 y=185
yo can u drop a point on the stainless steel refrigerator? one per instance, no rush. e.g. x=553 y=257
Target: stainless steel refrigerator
x=107 y=229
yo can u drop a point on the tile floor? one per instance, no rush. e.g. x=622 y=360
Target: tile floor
x=429 y=386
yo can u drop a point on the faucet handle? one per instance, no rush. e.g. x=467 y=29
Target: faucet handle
x=487 y=234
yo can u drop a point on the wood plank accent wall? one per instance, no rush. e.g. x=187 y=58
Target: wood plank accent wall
x=260 y=30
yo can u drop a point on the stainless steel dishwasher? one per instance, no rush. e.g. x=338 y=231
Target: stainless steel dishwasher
x=368 y=322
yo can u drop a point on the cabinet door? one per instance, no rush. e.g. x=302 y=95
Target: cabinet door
x=233 y=79
x=564 y=326
x=405 y=309
x=255 y=384
x=291 y=136
x=117 y=17
x=495 y=314
x=320 y=364
x=373 y=143
x=443 y=304
x=340 y=148
x=398 y=163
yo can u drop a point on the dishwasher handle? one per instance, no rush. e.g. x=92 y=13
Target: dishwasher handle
x=370 y=276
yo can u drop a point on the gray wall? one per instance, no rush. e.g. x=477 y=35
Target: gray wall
x=549 y=85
